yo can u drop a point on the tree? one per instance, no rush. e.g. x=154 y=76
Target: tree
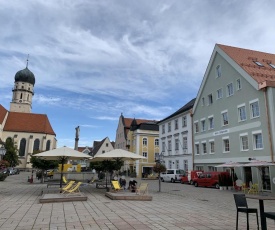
x=11 y=153
x=159 y=168
x=41 y=164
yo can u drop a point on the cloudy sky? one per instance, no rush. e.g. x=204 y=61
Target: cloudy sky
x=96 y=59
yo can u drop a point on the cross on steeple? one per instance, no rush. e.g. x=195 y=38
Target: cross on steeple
x=27 y=61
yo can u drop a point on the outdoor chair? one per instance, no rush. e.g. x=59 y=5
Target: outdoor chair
x=142 y=189
x=65 y=180
x=72 y=190
x=270 y=215
x=241 y=204
x=254 y=189
x=116 y=185
x=68 y=186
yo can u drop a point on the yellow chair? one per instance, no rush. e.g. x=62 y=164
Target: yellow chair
x=142 y=189
x=245 y=189
x=254 y=189
x=68 y=186
x=73 y=189
x=116 y=185
x=65 y=180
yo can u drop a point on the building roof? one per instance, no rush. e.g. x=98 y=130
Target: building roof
x=3 y=113
x=186 y=107
x=81 y=149
x=25 y=75
x=28 y=122
x=97 y=145
x=259 y=65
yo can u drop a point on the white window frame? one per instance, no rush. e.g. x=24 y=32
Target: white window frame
x=169 y=126
x=145 y=154
x=242 y=135
x=204 y=147
x=219 y=94
x=212 y=141
x=177 y=144
x=184 y=121
x=144 y=141
x=211 y=124
x=203 y=125
x=225 y=140
x=238 y=84
x=169 y=145
x=196 y=127
x=241 y=108
x=156 y=142
x=163 y=128
x=197 y=148
x=218 y=71
x=251 y=103
x=230 y=89
x=254 y=133
x=184 y=143
x=223 y=120
x=176 y=124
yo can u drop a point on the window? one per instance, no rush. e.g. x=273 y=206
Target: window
x=177 y=164
x=218 y=71
x=144 y=141
x=211 y=122
x=144 y=154
x=239 y=86
x=272 y=65
x=176 y=124
x=163 y=146
x=199 y=168
x=176 y=144
x=36 y=145
x=204 y=149
x=184 y=121
x=230 y=90
x=212 y=169
x=163 y=128
x=244 y=143
x=169 y=145
x=156 y=142
x=107 y=144
x=103 y=151
x=185 y=165
x=203 y=125
x=212 y=147
x=258 y=63
x=184 y=143
x=255 y=111
x=156 y=156
x=22 y=147
x=196 y=127
x=48 y=145
x=202 y=101
x=242 y=113
x=197 y=149
x=258 y=141
x=224 y=118
x=169 y=127
x=219 y=93
x=226 y=145
x=210 y=99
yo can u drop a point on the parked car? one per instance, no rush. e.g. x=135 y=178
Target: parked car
x=189 y=176
x=11 y=171
x=172 y=175
x=16 y=170
x=209 y=179
x=5 y=171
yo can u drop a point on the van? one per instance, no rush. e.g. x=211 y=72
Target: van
x=172 y=175
x=189 y=176
x=209 y=179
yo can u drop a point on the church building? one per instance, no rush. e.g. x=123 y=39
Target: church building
x=30 y=132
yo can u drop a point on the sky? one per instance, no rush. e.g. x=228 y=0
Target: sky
x=94 y=60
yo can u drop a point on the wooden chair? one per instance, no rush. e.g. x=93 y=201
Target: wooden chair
x=254 y=189
x=116 y=185
x=241 y=205
x=142 y=189
x=72 y=190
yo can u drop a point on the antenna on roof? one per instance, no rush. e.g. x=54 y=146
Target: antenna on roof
x=27 y=61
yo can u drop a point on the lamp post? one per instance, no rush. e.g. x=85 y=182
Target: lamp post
x=159 y=160
x=2 y=151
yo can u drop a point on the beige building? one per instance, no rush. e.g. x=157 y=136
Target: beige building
x=30 y=132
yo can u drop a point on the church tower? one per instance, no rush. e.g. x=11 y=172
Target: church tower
x=23 y=91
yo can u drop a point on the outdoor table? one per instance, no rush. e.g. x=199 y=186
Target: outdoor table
x=261 y=199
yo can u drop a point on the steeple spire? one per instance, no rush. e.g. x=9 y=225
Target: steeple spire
x=27 y=61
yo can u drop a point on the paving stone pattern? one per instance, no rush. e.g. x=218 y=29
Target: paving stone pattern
x=176 y=207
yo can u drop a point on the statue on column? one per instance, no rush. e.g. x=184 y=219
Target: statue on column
x=77 y=130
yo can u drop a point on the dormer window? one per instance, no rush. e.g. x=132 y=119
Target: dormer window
x=272 y=65
x=258 y=63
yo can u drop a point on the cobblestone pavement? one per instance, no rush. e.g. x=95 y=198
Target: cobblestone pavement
x=176 y=207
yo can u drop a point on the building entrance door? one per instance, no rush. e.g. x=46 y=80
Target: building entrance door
x=247 y=175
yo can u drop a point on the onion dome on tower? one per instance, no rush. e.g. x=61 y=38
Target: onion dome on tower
x=25 y=75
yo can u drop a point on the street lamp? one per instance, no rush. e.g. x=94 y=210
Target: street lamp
x=2 y=151
x=159 y=160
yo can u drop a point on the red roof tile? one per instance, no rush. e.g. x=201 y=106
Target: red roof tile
x=246 y=59
x=3 y=113
x=28 y=122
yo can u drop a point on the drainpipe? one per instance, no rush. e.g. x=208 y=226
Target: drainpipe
x=192 y=131
x=268 y=125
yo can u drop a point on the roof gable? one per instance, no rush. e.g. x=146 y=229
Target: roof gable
x=3 y=113
x=28 y=122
